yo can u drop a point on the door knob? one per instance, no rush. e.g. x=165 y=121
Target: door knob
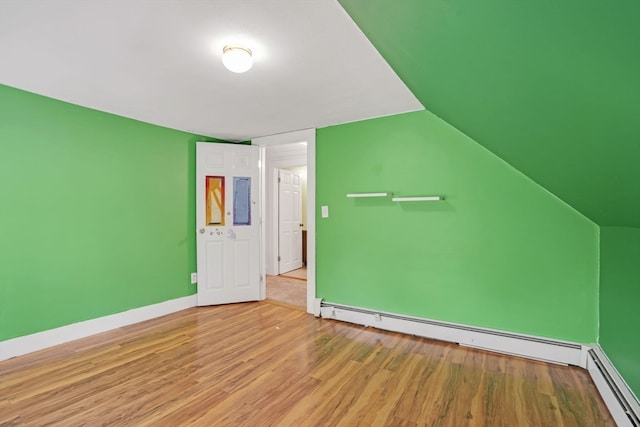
x=301 y=225
x=202 y=231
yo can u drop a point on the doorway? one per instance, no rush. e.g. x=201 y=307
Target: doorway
x=289 y=151
x=289 y=286
x=288 y=281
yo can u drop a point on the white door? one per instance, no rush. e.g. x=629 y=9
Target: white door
x=227 y=222
x=289 y=221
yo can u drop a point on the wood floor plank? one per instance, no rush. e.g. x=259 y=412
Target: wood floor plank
x=266 y=364
x=287 y=290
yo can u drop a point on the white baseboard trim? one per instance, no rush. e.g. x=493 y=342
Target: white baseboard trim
x=531 y=347
x=41 y=340
x=317 y=307
x=615 y=392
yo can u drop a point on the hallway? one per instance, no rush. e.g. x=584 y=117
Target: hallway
x=289 y=288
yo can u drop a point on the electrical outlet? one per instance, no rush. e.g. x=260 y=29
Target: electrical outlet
x=194 y=278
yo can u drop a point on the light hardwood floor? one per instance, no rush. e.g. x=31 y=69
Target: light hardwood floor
x=264 y=364
x=288 y=290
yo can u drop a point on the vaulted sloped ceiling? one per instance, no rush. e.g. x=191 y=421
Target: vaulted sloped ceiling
x=552 y=87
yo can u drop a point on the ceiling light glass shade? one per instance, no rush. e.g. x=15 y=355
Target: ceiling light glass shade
x=237 y=59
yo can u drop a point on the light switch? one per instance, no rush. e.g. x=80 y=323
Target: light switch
x=325 y=211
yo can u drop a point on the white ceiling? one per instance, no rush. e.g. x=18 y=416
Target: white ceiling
x=159 y=62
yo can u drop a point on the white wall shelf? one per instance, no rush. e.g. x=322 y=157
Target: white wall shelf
x=353 y=195
x=417 y=199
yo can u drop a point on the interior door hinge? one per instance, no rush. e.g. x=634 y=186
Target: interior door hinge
x=279 y=179
x=278 y=258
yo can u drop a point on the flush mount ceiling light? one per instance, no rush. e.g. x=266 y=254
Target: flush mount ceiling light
x=237 y=59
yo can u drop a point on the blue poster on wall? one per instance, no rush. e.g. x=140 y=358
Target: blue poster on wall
x=241 y=200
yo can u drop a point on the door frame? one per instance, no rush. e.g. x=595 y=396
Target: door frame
x=308 y=136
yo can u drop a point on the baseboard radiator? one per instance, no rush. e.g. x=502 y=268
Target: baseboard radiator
x=616 y=394
x=555 y=351
x=622 y=404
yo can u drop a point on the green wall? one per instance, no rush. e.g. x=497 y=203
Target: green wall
x=499 y=252
x=619 y=297
x=97 y=213
x=551 y=87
